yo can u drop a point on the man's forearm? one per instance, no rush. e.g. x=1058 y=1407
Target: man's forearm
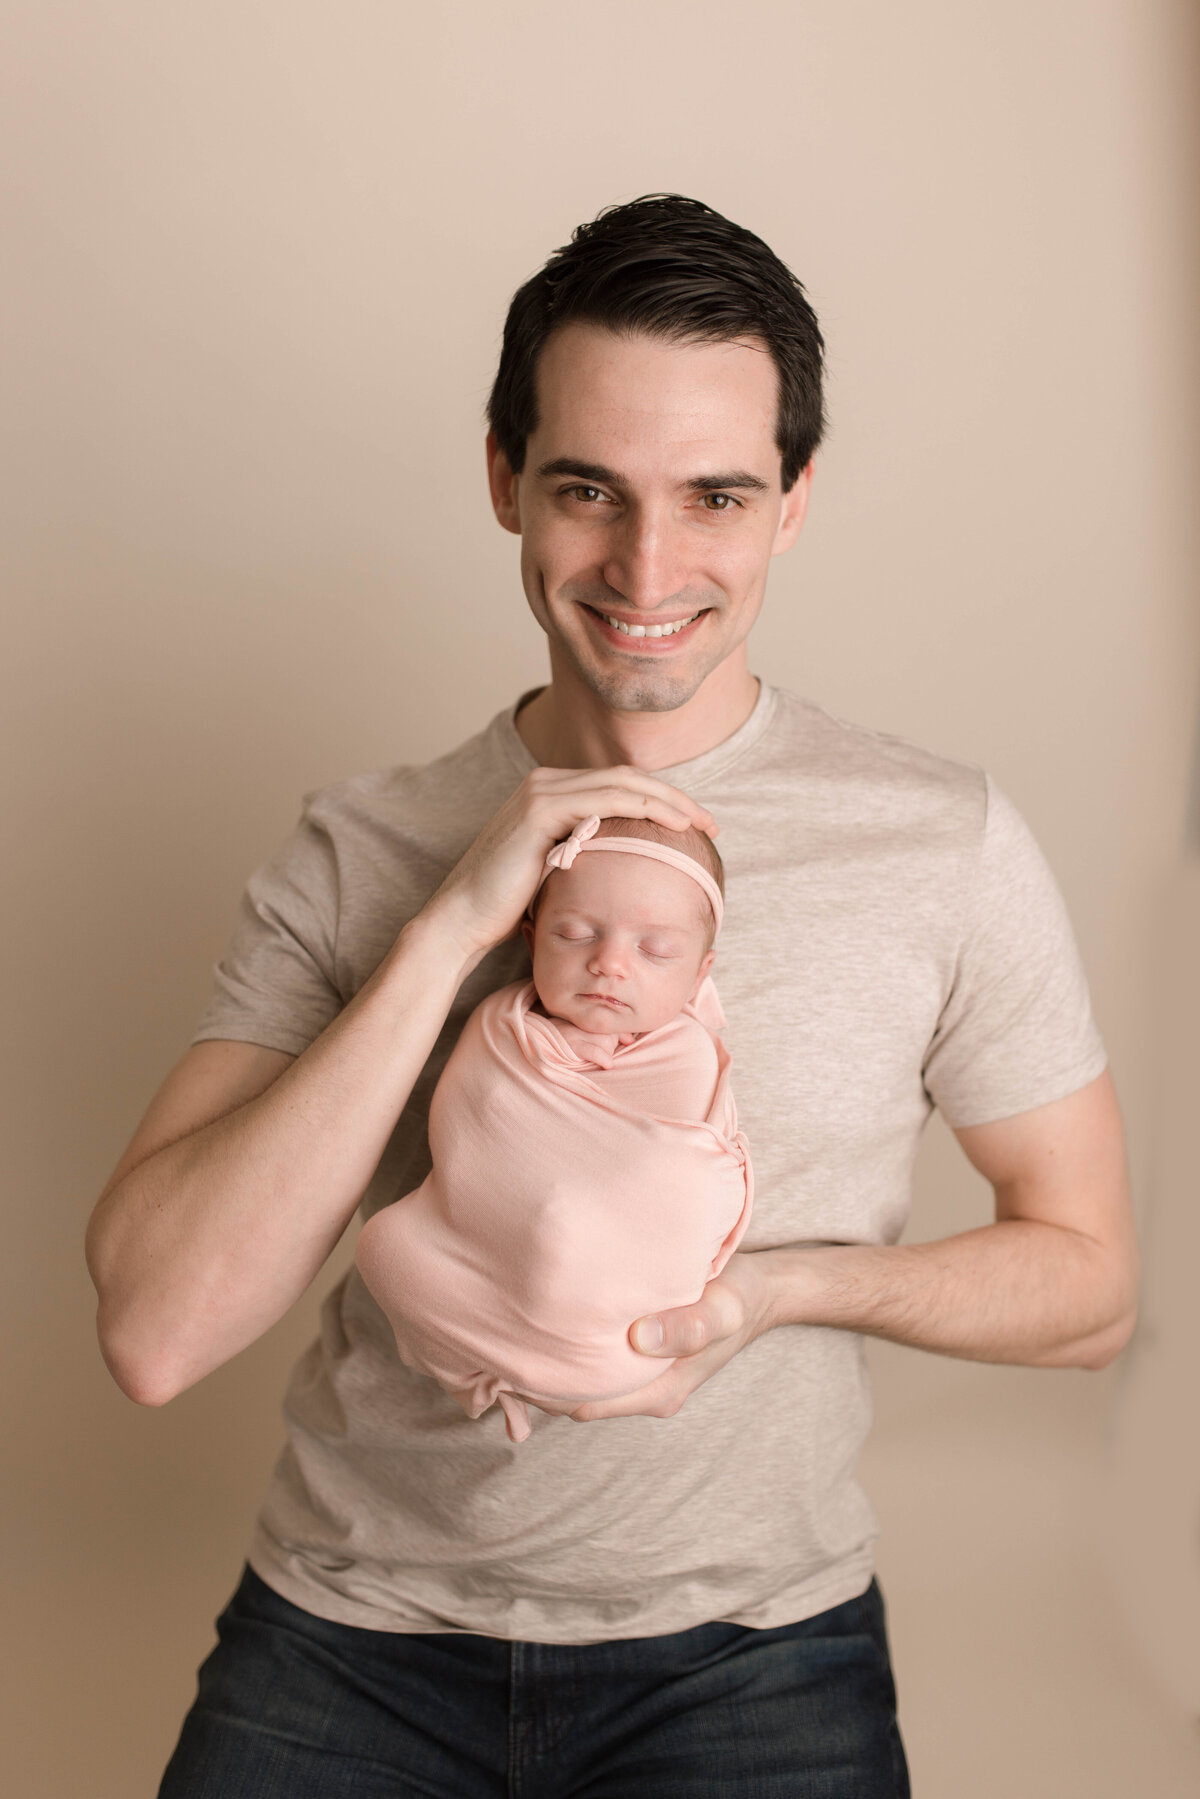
x=1015 y=1291
x=200 y=1248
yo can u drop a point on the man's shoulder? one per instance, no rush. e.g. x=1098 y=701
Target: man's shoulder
x=807 y=735
x=872 y=774
x=449 y=793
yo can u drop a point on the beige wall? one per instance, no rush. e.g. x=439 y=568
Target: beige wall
x=259 y=255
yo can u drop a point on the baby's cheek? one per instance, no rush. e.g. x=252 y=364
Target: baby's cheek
x=664 y=994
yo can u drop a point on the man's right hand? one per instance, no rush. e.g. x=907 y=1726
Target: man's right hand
x=485 y=894
x=249 y=1162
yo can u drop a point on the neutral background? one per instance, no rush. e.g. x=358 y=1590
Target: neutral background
x=258 y=260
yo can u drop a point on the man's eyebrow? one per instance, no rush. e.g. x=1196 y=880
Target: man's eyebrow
x=596 y=471
x=718 y=483
x=583 y=471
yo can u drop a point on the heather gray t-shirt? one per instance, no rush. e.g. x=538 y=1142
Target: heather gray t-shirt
x=893 y=940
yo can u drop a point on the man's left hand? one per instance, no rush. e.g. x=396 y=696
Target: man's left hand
x=734 y=1308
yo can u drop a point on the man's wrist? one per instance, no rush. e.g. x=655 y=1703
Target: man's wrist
x=832 y=1284
x=440 y=936
x=796 y=1283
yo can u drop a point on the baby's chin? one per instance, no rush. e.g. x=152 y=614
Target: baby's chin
x=600 y=1020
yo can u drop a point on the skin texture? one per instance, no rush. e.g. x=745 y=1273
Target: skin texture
x=631 y=934
x=616 y=515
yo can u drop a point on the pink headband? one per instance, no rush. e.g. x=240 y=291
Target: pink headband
x=583 y=837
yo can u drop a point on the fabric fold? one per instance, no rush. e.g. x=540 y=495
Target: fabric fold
x=559 y=1208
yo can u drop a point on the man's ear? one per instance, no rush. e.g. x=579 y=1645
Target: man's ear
x=701 y=974
x=504 y=486
x=795 y=510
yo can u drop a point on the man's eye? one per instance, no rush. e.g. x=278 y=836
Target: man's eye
x=589 y=495
x=720 y=502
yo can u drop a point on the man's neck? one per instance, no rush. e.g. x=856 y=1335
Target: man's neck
x=568 y=726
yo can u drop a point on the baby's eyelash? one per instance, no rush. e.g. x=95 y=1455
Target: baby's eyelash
x=657 y=955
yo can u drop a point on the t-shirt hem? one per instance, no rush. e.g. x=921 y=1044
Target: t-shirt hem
x=1017 y=1100
x=291 y=1043
x=790 y=1605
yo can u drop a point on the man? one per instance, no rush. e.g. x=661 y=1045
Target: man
x=678 y=1597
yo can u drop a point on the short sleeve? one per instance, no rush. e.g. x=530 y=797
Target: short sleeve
x=1017 y=1029
x=275 y=984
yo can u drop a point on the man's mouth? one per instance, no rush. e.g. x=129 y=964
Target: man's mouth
x=652 y=637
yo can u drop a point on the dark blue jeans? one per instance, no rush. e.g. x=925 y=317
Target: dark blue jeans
x=293 y=1707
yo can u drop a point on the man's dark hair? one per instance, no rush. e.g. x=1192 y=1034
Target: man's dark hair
x=672 y=268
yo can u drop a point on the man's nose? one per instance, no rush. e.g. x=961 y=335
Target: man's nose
x=645 y=562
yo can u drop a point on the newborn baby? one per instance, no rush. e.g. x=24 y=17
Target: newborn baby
x=587 y=1165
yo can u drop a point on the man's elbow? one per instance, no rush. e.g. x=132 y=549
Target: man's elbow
x=143 y=1386
x=145 y=1380
x=1121 y=1293
x=147 y=1393
x=1103 y=1349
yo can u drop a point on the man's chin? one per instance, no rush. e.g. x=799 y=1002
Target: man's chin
x=637 y=690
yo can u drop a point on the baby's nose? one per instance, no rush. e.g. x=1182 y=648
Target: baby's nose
x=607 y=959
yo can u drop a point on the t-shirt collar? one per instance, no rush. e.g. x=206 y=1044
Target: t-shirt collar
x=687 y=775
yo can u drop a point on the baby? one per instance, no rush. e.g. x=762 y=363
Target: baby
x=587 y=1165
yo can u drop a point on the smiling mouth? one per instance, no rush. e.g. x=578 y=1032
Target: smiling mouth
x=656 y=635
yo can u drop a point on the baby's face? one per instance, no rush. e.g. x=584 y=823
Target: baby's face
x=619 y=944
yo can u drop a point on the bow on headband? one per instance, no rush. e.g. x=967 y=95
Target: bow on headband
x=583 y=837
x=563 y=854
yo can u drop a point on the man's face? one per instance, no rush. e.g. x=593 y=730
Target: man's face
x=650 y=496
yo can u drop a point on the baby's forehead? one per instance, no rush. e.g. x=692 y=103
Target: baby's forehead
x=641 y=890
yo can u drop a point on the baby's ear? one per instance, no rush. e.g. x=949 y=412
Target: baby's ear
x=527 y=929
x=702 y=973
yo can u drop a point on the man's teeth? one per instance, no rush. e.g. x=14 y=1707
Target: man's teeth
x=648 y=630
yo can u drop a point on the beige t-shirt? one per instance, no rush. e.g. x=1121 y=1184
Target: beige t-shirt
x=893 y=940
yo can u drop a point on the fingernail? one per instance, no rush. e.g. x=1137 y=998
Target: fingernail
x=648 y=1334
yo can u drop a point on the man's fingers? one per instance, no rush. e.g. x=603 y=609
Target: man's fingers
x=648 y=1335
x=486 y=892
x=681 y=1332
x=661 y=1399
x=685 y=1330
x=621 y=791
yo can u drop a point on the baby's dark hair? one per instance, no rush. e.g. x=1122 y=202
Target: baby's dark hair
x=690 y=842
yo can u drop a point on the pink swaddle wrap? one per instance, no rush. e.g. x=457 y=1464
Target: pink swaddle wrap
x=577 y=1184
